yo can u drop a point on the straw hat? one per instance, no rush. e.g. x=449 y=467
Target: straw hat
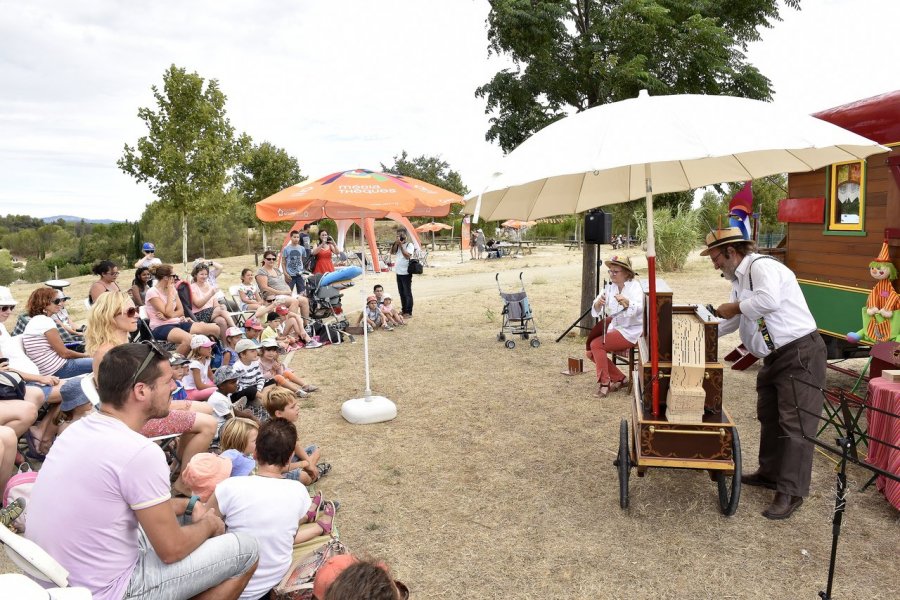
x=621 y=261
x=720 y=237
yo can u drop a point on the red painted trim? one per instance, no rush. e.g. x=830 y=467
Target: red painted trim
x=801 y=210
x=654 y=337
x=877 y=118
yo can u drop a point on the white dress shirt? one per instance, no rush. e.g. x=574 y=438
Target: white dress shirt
x=776 y=297
x=627 y=321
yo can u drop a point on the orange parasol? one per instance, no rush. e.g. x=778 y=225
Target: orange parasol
x=432 y=227
x=514 y=224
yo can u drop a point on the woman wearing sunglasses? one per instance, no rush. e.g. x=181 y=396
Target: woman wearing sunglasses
x=167 y=320
x=42 y=342
x=108 y=272
x=112 y=318
x=274 y=286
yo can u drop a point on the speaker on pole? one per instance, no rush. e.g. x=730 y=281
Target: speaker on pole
x=598 y=227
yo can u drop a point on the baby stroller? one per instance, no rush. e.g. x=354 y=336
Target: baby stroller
x=517 y=317
x=325 y=297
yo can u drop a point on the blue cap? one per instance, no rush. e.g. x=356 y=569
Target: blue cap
x=149 y=247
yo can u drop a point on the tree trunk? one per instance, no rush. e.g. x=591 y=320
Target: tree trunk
x=265 y=240
x=184 y=240
x=590 y=255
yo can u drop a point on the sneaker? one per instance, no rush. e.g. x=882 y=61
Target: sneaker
x=310 y=388
x=388 y=328
x=313 y=344
x=302 y=394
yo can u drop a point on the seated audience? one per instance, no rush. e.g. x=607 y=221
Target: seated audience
x=111 y=320
x=250 y=379
x=70 y=335
x=373 y=316
x=108 y=272
x=42 y=341
x=238 y=444
x=232 y=336
x=274 y=288
x=390 y=312
x=118 y=534
x=198 y=383
x=281 y=403
x=248 y=293
x=253 y=329
x=214 y=268
x=293 y=517
x=140 y=285
x=205 y=300
x=167 y=320
x=274 y=371
x=345 y=577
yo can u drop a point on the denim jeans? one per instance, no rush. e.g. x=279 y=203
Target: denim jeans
x=74 y=367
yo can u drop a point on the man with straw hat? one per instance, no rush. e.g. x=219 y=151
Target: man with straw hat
x=771 y=314
x=620 y=309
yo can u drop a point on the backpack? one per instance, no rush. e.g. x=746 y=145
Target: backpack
x=326 y=333
x=20 y=486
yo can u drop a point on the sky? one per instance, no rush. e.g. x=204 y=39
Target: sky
x=339 y=84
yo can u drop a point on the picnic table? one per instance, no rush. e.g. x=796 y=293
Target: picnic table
x=573 y=245
x=446 y=243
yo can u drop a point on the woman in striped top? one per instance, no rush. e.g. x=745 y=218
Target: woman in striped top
x=42 y=341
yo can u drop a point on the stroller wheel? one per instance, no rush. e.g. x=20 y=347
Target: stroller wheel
x=351 y=338
x=500 y=337
x=510 y=344
x=535 y=342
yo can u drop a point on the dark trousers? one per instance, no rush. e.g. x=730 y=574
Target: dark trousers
x=784 y=456
x=404 y=288
x=297 y=283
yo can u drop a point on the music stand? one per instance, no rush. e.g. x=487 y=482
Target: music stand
x=845 y=448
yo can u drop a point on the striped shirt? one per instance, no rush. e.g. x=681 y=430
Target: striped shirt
x=249 y=375
x=37 y=346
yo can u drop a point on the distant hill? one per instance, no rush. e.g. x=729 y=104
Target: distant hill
x=70 y=219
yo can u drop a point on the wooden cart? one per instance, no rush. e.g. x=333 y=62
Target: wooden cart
x=711 y=444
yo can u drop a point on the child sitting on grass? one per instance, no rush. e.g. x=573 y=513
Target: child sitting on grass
x=391 y=314
x=282 y=403
x=238 y=444
x=373 y=316
x=250 y=379
x=277 y=512
x=198 y=382
x=288 y=338
x=232 y=336
x=274 y=371
x=226 y=380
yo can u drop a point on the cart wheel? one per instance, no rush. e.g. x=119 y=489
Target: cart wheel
x=524 y=336
x=500 y=337
x=623 y=463
x=728 y=499
x=535 y=342
x=510 y=344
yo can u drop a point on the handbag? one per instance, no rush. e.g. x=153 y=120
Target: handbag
x=414 y=267
x=297 y=584
x=11 y=386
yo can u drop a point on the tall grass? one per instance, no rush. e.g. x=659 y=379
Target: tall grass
x=676 y=235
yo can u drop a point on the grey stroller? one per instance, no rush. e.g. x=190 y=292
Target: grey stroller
x=517 y=317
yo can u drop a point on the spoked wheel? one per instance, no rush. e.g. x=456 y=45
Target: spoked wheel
x=535 y=342
x=729 y=498
x=623 y=463
x=510 y=344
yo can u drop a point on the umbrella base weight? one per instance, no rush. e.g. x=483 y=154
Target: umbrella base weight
x=367 y=410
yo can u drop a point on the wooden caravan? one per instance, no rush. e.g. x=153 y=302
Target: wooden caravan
x=838 y=217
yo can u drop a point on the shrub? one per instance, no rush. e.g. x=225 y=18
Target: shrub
x=676 y=235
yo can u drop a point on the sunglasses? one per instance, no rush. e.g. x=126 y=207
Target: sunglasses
x=129 y=312
x=155 y=350
x=6 y=308
x=270 y=258
x=59 y=301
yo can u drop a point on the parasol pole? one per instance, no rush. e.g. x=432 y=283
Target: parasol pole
x=368 y=392
x=653 y=333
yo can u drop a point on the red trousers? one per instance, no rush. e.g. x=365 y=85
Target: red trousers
x=607 y=371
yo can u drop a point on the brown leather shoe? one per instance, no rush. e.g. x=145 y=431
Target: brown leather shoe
x=782 y=506
x=756 y=479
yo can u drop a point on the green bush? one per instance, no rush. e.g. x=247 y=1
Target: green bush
x=36 y=271
x=675 y=234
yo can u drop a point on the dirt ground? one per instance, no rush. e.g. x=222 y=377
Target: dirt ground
x=496 y=479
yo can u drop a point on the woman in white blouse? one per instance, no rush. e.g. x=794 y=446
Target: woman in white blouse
x=621 y=308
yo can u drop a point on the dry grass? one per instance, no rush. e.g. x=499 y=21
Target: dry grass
x=496 y=479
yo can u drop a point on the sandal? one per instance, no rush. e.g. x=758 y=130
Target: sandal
x=603 y=391
x=328 y=512
x=323 y=469
x=616 y=385
x=34 y=445
x=310 y=388
x=313 y=511
x=15 y=508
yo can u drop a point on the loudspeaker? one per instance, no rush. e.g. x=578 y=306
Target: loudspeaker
x=598 y=228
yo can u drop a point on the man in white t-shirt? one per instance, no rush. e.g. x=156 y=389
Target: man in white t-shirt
x=107 y=516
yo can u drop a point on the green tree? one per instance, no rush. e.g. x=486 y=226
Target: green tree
x=190 y=147
x=430 y=169
x=264 y=170
x=571 y=55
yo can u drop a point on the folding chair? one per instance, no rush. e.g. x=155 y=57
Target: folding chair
x=234 y=305
x=36 y=563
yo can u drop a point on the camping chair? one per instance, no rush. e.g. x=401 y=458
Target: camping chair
x=234 y=306
x=35 y=562
x=422 y=255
